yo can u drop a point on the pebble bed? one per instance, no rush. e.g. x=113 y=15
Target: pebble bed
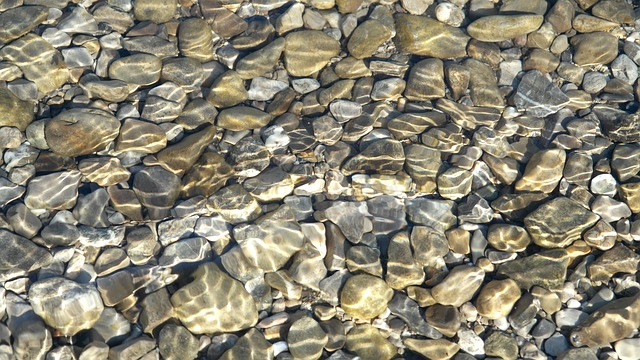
x=319 y=179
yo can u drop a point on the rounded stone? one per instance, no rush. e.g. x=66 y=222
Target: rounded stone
x=81 y=131
x=306 y=339
x=138 y=69
x=66 y=305
x=497 y=28
x=158 y=11
x=300 y=59
x=365 y=296
x=496 y=299
x=243 y=118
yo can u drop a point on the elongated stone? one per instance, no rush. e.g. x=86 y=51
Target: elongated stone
x=81 y=131
x=496 y=28
x=424 y=36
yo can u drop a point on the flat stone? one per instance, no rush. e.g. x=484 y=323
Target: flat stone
x=619 y=259
x=243 y=118
x=208 y=175
x=365 y=296
x=131 y=137
x=180 y=157
x=235 y=204
x=507 y=237
x=21 y=255
x=280 y=239
x=426 y=80
x=614 y=10
x=436 y=214
x=503 y=27
x=547 y=269
x=501 y=345
x=367 y=37
x=260 y=61
x=20 y=20
x=306 y=339
x=104 y=171
x=610 y=323
x=424 y=36
x=351 y=217
x=459 y=286
x=543 y=171
x=402 y=269
x=497 y=298
x=56 y=191
x=367 y=342
x=39 y=61
x=627 y=349
x=22 y=111
x=138 y=69
x=538 y=96
x=81 y=131
x=252 y=346
x=300 y=60
x=384 y=156
x=153 y=10
x=69 y=315
x=432 y=349
x=164 y=103
x=228 y=309
x=175 y=342
x=110 y=90
x=558 y=223
x=595 y=48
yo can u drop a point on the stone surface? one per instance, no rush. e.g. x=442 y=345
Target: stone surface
x=428 y=37
x=459 y=286
x=503 y=27
x=306 y=339
x=10 y=104
x=558 y=223
x=365 y=296
x=300 y=60
x=538 y=96
x=56 y=191
x=203 y=311
x=78 y=132
x=66 y=305
x=496 y=298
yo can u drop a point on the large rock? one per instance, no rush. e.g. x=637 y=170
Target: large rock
x=595 y=48
x=538 y=96
x=558 y=223
x=81 y=131
x=612 y=322
x=547 y=269
x=21 y=255
x=66 y=305
x=424 y=36
x=158 y=11
x=459 y=286
x=365 y=296
x=20 y=20
x=543 y=171
x=214 y=303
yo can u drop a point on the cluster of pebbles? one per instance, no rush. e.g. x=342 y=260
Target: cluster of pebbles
x=341 y=179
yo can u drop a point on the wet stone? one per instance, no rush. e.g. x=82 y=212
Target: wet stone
x=619 y=259
x=384 y=156
x=177 y=343
x=594 y=48
x=547 y=269
x=138 y=69
x=432 y=349
x=367 y=342
x=306 y=339
x=365 y=296
x=21 y=255
x=50 y=300
x=235 y=204
x=20 y=20
x=157 y=189
x=496 y=298
x=501 y=345
x=428 y=37
x=538 y=96
x=81 y=131
x=366 y=38
x=195 y=39
x=252 y=345
x=56 y=191
x=229 y=309
x=153 y=10
x=302 y=61
x=164 y=103
x=131 y=137
x=503 y=27
x=459 y=286
x=558 y=223
x=243 y=118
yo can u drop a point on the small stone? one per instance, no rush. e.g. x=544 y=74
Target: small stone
x=450 y=14
x=454 y=183
x=578 y=354
x=306 y=339
x=291 y=19
x=543 y=171
x=426 y=81
x=496 y=299
x=138 y=69
x=424 y=36
x=384 y=156
x=503 y=27
x=367 y=342
x=594 y=48
x=366 y=38
x=501 y=345
x=227 y=90
x=195 y=39
x=229 y=309
x=547 y=269
x=157 y=190
x=459 y=286
x=177 y=343
x=243 y=118
x=569 y=318
x=260 y=61
x=69 y=315
x=21 y=255
x=558 y=223
x=235 y=204
x=610 y=210
x=619 y=259
x=593 y=82
x=155 y=11
x=627 y=349
x=22 y=111
x=470 y=342
x=81 y=131
x=365 y=297
x=39 y=61
x=131 y=137
x=402 y=270
x=630 y=194
x=164 y=103
x=302 y=61
x=507 y=237
x=538 y=96
x=252 y=346
x=56 y=191
x=133 y=348
x=180 y=157
x=432 y=349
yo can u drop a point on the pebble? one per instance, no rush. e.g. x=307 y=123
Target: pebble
x=366 y=38
x=501 y=345
x=69 y=315
x=230 y=309
x=496 y=298
x=538 y=96
x=367 y=342
x=428 y=37
x=503 y=27
x=298 y=58
x=587 y=54
x=365 y=296
x=81 y=131
x=459 y=286
x=22 y=110
x=306 y=339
